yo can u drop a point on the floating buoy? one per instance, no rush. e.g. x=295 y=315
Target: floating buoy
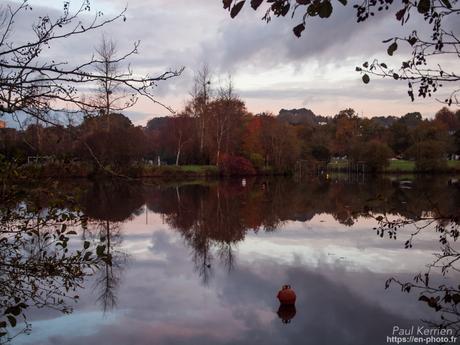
x=286 y=312
x=286 y=295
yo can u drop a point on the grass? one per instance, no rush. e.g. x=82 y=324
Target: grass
x=176 y=171
x=196 y=168
x=409 y=166
x=338 y=164
x=401 y=165
x=396 y=166
x=454 y=164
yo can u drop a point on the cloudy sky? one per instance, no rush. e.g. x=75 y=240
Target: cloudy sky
x=270 y=67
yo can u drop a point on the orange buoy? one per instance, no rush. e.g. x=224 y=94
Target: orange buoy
x=286 y=295
x=286 y=312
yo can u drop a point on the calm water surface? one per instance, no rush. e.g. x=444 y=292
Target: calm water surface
x=201 y=262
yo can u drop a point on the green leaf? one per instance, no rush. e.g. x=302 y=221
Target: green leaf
x=2 y=324
x=366 y=79
x=423 y=6
x=236 y=9
x=395 y=76
x=325 y=9
x=71 y=232
x=86 y=244
x=384 y=65
x=392 y=48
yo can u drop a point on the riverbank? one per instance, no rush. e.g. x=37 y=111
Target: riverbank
x=87 y=170
x=172 y=172
x=398 y=166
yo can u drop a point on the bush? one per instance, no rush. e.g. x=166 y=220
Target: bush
x=374 y=154
x=321 y=153
x=236 y=166
x=429 y=156
x=257 y=160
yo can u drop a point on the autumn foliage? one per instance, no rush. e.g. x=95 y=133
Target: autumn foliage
x=236 y=165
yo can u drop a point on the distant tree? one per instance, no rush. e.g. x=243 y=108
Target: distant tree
x=251 y=141
x=429 y=155
x=448 y=119
x=431 y=144
x=226 y=114
x=321 y=153
x=422 y=70
x=399 y=137
x=280 y=144
x=179 y=133
x=123 y=144
x=457 y=142
x=411 y=120
x=374 y=154
x=199 y=105
x=346 y=131
x=110 y=96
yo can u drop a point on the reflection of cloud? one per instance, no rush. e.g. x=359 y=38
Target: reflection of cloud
x=163 y=302
x=88 y=324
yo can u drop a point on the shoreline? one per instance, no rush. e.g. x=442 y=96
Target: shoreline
x=173 y=172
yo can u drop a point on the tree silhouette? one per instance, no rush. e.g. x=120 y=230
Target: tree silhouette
x=423 y=70
x=36 y=84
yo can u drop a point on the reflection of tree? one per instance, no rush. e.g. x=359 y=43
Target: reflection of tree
x=214 y=217
x=38 y=265
x=108 y=275
x=443 y=297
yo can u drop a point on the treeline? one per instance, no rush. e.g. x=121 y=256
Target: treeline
x=215 y=128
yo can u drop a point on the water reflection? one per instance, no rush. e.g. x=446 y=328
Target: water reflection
x=39 y=268
x=202 y=261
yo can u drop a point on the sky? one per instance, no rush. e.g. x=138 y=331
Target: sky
x=270 y=68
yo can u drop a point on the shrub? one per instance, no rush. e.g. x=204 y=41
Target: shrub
x=235 y=165
x=374 y=154
x=257 y=160
x=429 y=155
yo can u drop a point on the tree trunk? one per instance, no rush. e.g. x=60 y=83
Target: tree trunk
x=178 y=156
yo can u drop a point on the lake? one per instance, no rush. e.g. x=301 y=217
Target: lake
x=201 y=262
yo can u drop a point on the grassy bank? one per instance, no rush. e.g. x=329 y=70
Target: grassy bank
x=84 y=170
x=405 y=166
x=165 y=172
x=399 y=166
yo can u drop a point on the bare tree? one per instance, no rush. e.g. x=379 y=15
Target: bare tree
x=202 y=93
x=32 y=82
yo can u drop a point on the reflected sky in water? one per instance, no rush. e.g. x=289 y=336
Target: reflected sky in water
x=169 y=294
